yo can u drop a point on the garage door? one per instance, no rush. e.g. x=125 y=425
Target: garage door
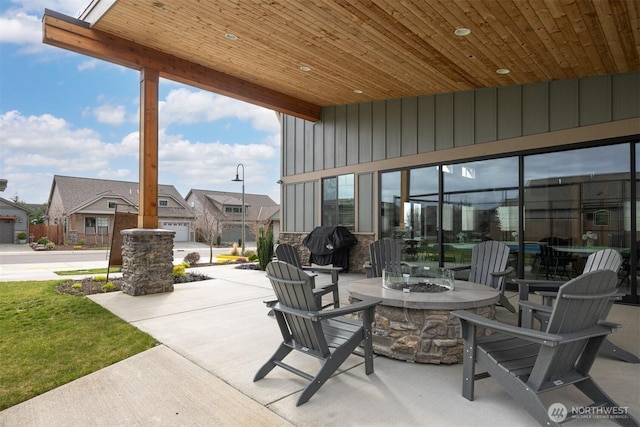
x=6 y=230
x=181 y=229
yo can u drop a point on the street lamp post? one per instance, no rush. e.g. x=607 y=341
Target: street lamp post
x=237 y=179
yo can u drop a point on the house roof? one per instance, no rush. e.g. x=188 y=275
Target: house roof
x=77 y=193
x=296 y=56
x=260 y=207
x=6 y=202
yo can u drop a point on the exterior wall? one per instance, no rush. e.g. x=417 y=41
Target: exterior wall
x=55 y=209
x=368 y=137
x=14 y=221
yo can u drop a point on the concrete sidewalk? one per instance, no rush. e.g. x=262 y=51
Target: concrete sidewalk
x=214 y=336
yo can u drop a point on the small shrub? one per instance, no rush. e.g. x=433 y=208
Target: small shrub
x=218 y=240
x=82 y=242
x=192 y=258
x=77 y=247
x=253 y=257
x=109 y=286
x=77 y=286
x=22 y=235
x=235 y=251
x=265 y=247
x=43 y=241
x=50 y=245
x=179 y=270
x=100 y=278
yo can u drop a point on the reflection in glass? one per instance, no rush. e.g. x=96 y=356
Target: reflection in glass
x=480 y=203
x=338 y=201
x=575 y=203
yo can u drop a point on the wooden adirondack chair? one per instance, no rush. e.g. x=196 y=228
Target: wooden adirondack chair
x=489 y=267
x=289 y=254
x=312 y=331
x=385 y=254
x=528 y=362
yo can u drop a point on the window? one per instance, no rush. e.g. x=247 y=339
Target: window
x=94 y=225
x=111 y=205
x=338 y=201
x=102 y=225
x=233 y=209
x=89 y=225
x=163 y=203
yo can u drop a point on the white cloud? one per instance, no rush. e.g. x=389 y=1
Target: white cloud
x=89 y=64
x=185 y=106
x=109 y=114
x=21 y=23
x=37 y=147
x=20 y=28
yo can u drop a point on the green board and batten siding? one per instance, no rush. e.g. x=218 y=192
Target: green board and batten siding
x=373 y=131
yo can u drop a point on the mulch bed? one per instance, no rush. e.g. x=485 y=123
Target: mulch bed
x=88 y=286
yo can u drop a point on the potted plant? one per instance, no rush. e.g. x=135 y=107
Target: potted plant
x=22 y=237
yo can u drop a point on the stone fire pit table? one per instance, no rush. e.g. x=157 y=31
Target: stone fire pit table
x=418 y=326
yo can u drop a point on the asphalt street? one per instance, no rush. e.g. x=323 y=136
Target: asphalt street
x=20 y=262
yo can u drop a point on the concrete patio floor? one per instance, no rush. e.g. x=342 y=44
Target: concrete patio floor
x=215 y=334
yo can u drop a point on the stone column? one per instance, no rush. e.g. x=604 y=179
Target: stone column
x=147 y=261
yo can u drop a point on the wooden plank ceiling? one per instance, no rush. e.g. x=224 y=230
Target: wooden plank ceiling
x=381 y=49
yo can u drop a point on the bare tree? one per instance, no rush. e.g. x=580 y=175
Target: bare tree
x=209 y=227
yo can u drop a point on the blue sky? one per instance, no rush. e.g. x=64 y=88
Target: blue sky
x=63 y=113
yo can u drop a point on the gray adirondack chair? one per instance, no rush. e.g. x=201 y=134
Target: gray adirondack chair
x=312 y=331
x=528 y=362
x=489 y=267
x=289 y=254
x=605 y=259
x=385 y=254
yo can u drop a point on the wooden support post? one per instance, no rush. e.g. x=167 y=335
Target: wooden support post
x=148 y=197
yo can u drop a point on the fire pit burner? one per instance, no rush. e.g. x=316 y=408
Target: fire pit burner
x=420 y=286
x=426 y=281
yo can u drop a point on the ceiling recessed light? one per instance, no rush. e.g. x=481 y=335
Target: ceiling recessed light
x=305 y=68
x=462 y=32
x=358 y=91
x=503 y=71
x=230 y=36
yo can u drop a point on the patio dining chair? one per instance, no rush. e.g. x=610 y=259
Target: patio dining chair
x=306 y=328
x=289 y=254
x=528 y=362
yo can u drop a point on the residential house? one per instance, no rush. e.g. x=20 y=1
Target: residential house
x=14 y=219
x=221 y=213
x=86 y=208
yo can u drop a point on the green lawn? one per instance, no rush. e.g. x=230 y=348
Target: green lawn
x=88 y=271
x=49 y=339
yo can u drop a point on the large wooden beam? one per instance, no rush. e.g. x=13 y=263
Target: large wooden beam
x=75 y=35
x=149 y=89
